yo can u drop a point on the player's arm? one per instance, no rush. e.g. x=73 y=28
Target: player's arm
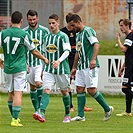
x=94 y=56
x=122 y=47
x=73 y=71
x=1 y=63
x=37 y=54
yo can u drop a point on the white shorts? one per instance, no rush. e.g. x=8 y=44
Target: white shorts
x=16 y=82
x=87 y=78
x=61 y=80
x=35 y=74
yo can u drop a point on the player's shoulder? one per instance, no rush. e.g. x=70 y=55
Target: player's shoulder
x=26 y=28
x=44 y=28
x=63 y=29
x=130 y=36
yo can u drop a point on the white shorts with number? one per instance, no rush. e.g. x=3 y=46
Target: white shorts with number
x=87 y=78
x=35 y=74
x=61 y=80
x=16 y=82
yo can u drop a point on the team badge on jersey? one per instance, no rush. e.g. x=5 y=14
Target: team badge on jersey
x=36 y=42
x=71 y=34
x=51 y=48
x=79 y=46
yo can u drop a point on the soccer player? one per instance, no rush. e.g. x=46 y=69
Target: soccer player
x=57 y=47
x=15 y=43
x=37 y=32
x=127 y=67
x=86 y=62
x=68 y=29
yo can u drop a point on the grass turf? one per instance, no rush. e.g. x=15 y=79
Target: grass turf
x=54 y=117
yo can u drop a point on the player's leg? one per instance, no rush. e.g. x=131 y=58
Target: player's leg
x=91 y=88
x=33 y=91
x=81 y=99
x=126 y=89
x=63 y=81
x=48 y=82
x=128 y=99
x=38 y=83
x=19 y=82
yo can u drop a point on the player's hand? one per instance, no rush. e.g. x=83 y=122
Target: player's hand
x=73 y=72
x=120 y=73
x=92 y=64
x=46 y=61
x=118 y=35
x=1 y=64
x=56 y=64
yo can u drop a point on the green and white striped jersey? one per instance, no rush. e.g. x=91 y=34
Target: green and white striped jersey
x=15 y=43
x=37 y=38
x=55 y=45
x=85 y=41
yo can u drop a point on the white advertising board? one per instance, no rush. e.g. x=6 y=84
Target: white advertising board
x=109 y=80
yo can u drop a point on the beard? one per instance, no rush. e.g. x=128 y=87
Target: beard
x=31 y=25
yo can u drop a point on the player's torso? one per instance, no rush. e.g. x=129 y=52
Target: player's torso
x=54 y=50
x=14 y=50
x=37 y=38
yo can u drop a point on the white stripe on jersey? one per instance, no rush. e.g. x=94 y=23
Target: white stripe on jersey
x=26 y=42
x=128 y=42
x=83 y=50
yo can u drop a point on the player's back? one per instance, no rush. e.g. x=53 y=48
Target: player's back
x=13 y=40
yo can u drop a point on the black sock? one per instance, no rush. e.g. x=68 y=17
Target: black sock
x=71 y=105
x=128 y=98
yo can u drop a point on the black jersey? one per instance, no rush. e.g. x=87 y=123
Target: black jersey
x=71 y=34
x=128 y=76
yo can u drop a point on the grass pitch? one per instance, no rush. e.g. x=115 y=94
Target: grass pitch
x=54 y=117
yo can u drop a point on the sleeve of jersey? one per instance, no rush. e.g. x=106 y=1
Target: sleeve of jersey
x=91 y=36
x=28 y=43
x=66 y=44
x=128 y=41
x=0 y=40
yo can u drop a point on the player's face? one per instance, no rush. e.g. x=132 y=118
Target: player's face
x=123 y=27
x=32 y=20
x=54 y=25
x=69 y=26
x=75 y=25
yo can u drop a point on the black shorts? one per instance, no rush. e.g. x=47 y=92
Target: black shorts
x=128 y=77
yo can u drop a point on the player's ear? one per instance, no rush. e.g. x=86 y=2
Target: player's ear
x=21 y=21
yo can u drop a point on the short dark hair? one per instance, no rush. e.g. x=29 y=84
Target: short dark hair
x=68 y=16
x=75 y=18
x=32 y=13
x=126 y=22
x=16 y=17
x=54 y=16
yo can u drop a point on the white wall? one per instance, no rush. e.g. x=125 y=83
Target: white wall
x=109 y=81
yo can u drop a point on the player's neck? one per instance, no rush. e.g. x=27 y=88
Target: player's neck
x=82 y=27
x=68 y=28
x=128 y=31
x=16 y=25
x=55 y=31
x=33 y=28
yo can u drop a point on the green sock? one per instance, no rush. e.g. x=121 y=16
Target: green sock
x=81 y=103
x=39 y=94
x=10 y=106
x=44 y=101
x=66 y=101
x=34 y=99
x=15 y=111
x=99 y=98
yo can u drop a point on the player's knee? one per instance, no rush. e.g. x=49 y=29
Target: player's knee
x=38 y=84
